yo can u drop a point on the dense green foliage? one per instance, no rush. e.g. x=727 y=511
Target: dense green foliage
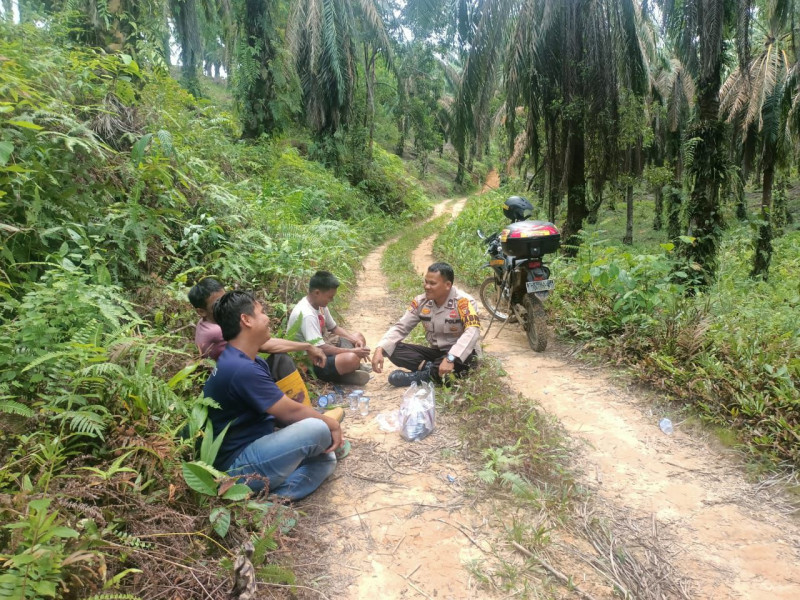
x=730 y=354
x=118 y=190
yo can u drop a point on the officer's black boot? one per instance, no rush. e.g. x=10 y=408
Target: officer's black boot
x=400 y=378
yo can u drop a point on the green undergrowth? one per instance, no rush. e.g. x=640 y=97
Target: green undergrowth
x=118 y=190
x=728 y=355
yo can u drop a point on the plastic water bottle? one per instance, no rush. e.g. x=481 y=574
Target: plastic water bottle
x=666 y=426
x=323 y=401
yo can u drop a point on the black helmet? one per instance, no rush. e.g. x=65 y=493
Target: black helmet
x=516 y=208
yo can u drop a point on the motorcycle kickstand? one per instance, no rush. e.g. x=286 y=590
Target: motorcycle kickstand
x=499 y=296
x=516 y=314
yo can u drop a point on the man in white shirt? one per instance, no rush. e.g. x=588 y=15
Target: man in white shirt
x=310 y=320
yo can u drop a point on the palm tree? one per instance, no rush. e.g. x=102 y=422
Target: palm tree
x=697 y=28
x=322 y=36
x=757 y=96
x=567 y=61
x=254 y=78
x=483 y=51
x=187 y=30
x=676 y=91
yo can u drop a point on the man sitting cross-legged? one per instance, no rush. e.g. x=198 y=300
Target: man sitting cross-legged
x=452 y=328
x=210 y=343
x=295 y=459
x=313 y=320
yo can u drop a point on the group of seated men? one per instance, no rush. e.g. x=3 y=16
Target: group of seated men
x=279 y=440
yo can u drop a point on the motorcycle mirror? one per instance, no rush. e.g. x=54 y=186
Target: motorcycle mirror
x=480 y=234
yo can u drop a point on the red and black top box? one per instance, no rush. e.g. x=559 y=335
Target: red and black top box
x=530 y=239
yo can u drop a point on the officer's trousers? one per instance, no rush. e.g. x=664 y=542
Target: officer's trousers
x=413 y=357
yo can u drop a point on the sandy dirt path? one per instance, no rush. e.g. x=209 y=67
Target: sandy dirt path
x=399 y=523
x=731 y=539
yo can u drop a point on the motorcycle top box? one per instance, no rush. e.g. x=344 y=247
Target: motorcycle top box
x=530 y=239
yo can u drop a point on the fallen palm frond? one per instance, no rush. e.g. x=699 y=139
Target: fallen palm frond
x=631 y=553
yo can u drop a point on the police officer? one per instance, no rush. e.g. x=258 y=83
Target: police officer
x=452 y=328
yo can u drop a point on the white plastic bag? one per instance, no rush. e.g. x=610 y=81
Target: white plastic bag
x=418 y=412
x=389 y=421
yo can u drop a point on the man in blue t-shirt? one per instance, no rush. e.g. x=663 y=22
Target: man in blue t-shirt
x=295 y=459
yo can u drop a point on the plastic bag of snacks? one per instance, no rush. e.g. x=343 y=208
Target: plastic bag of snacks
x=418 y=412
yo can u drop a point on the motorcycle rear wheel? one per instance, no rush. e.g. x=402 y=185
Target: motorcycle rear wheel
x=535 y=322
x=491 y=297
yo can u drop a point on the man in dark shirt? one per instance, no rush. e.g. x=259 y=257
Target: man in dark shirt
x=295 y=459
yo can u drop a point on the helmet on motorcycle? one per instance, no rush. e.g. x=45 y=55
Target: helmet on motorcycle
x=516 y=208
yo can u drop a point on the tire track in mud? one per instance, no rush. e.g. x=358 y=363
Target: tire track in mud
x=727 y=536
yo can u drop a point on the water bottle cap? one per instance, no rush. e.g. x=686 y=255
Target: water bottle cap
x=322 y=401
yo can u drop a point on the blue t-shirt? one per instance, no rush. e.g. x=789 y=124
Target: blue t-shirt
x=245 y=390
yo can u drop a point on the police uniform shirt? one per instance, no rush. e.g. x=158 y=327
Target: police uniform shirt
x=452 y=327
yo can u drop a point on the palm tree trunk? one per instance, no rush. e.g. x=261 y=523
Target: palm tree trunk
x=255 y=100
x=369 y=115
x=658 y=219
x=575 y=163
x=187 y=25
x=576 y=187
x=708 y=167
x=763 y=243
x=741 y=200
x=596 y=200
x=674 y=201
x=628 y=239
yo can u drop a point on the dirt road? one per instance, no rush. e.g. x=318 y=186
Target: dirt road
x=401 y=525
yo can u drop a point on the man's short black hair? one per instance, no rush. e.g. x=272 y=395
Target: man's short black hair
x=228 y=311
x=323 y=281
x=200 y=292
x=444 y=269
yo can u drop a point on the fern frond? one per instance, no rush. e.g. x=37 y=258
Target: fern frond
x=86 y=421
x=12 y=407
x=165 y=139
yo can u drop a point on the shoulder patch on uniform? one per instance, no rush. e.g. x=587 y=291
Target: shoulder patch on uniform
x=468 y=315
x=413 y=306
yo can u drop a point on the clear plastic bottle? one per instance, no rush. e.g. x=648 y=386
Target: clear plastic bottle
x=666 y=426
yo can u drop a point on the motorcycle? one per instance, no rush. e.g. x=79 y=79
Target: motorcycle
x=520 y=281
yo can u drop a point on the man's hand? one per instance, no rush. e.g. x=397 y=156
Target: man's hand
x=317 y=356
x=362 y=352
x=377 y=360
x=336 y=436
x=445 y=368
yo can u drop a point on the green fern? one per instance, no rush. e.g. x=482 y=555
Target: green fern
x=91 y=421
x=165 y=140
x=13 y=407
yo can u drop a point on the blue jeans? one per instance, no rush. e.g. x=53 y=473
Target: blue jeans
x=293 y=459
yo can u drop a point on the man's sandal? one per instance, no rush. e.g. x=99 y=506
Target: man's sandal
x=343 y=451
